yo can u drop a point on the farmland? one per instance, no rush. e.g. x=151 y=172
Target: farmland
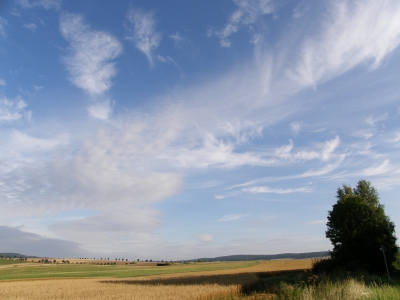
x=280 y=279
x=88 y=281
x=42 y=270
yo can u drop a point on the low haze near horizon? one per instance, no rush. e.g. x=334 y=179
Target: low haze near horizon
x=182 y=129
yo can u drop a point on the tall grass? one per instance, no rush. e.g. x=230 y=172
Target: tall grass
x=340 y=290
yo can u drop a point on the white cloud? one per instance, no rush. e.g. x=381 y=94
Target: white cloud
x=111 y=175
x=300 y=10
x=176 y=37
x=2 y=82
x=143 y=33
x=31 y=26
x=328 y=168
x=296 y=126
x=329 y=148
x=365 y=133
x=371 y=120
x=383 y=168
x=206 y=237
x=353 y=34
x=214 y=152
x=20 y=140
x=325 y=153
x=112 y=170
x=13 y=109
x=247 y=13
x=3 y=24
x=396 y=138
x=266 y=189
x=116 y=227
x=46 y=4
x=184 y=44
x=89 y=62
x=102 y=110
x=232 y=217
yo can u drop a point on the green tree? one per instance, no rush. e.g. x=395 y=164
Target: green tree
x=358 y=227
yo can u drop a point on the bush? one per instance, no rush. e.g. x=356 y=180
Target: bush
x=396 y=263
x=325 y=265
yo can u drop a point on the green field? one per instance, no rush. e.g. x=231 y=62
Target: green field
x=4 y=262
x=32 y=271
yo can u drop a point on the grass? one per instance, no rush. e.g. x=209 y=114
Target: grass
x=36 y=270
x=306 y=286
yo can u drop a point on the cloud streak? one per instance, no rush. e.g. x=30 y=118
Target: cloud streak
x=268 y=190
x=355 y=33
x=46 y=4
x=232 y=217
x=142 y=32
x=3 y=24
x=248 y=12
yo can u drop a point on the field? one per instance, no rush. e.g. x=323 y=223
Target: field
x=36 y=270
x=281 y=280
x=88 y=281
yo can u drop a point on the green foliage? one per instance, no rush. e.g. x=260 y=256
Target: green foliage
x=396 y=263
x=326 y=265
x=357 y=227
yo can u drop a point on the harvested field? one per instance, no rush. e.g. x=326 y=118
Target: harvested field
x=193 y=285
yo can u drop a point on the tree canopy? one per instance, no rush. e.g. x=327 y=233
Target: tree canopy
x=358 y=227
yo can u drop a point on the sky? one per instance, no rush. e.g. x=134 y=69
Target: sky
x=171 y=130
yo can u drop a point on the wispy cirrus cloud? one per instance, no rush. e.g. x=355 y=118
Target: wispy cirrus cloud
x=268 y=190
x=300 y=10
x=31 y=26
x=13 y=109
x=184 y=44
x=371 y=120
x=325 y=153
x=3 y=24
x=142 y=32
x=91 y=52
x=232 y=217
x=354 y=33
x=384 y=168
x=247 y=13
x=46 y=4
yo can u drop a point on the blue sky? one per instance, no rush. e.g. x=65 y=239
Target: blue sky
x=183 y=129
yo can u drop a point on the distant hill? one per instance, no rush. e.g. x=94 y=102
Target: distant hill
x=241 y=257
x=11 y=254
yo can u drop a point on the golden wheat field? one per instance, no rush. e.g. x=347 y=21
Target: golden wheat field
x=195 y=285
